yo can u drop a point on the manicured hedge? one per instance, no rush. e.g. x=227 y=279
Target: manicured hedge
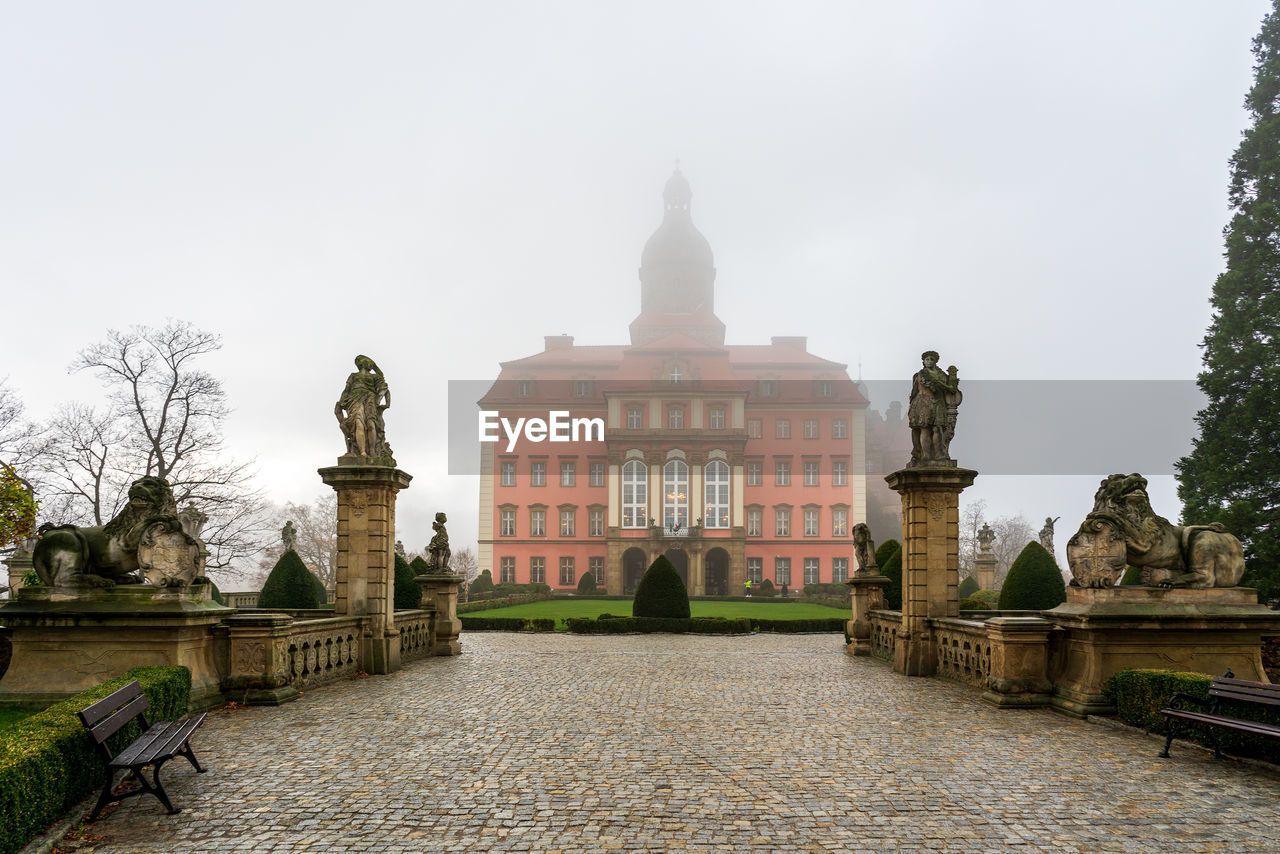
x=493 y=624
x=968 y=603
x=611 y=625
x=1139 y=695
x=291 y=586
x=1034 y=582
x=815 y=624
x=48 y=761
x=968 y=587
x=661 y=592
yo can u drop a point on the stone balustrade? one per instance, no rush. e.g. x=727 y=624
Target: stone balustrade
x=417 y=633
x=963 y=649
x=884 y=633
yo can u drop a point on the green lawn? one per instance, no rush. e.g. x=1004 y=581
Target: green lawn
x=12 y=714
x=562 y=608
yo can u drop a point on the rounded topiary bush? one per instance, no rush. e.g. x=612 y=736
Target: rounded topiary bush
x=291 y=586
x=968 y=587
x=483 y=582
x=968 y=604
x=885 y=551
x=765 y=588
x=1034 y=582
x=587 y=583
x=661 y=593
x=408 y=593
x=990 y=597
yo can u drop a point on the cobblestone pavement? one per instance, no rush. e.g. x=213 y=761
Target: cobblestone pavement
x=675 y=743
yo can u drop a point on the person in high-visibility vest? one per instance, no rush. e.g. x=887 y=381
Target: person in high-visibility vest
x=748 y=588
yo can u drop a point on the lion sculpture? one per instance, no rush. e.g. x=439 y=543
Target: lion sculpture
x=1123 y=531
x=144 y=541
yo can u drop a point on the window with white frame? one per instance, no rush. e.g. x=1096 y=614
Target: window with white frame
x=755 y=523
x=537 y=523
x=716 y=512
x=782 y=521
x=508 y=473
x=675 y=417
x=781 y=571
x=635 y=494
x=568 y=473
x=524 y=388
x=538 y=474
x=839 y=473
x=782 y=428
x=507 y=570
x=755 y=474
x=635 y=417
x=810 y=472
x=582 y=388
x=715 y=418
x=755 y=569
x=811 y=570
x=568 y=523
x=839 y=429
x=675 y=375
x=537 y=570
x=811 y=522
x=811 y=428
x=768 y=388
x=595 y=565
x=675 y=495
x=839 y=522
x=595 y=474
x=568 y=574
x=755 y=429
x=839 y=570
x=782 y=473
x=824 y=388
x=507 y=523
x=595 y=523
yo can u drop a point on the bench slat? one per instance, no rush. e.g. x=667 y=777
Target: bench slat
x=178 y=736
x=108 y=704
x=129 y=756
x=1246 y=695
x=161 y=741
x=111 y=725
x=1253 y=727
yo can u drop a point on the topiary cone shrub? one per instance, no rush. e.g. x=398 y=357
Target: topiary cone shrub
x=587 y=583
x=765 y=588
x=661 y=593
x=892 y=570
x=886 y=550
x=290 y=586
x=1034 y=582
x=483 y=582
x=407 y=594
x=968 y=587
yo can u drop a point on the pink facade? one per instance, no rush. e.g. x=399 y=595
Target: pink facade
x=736 y=461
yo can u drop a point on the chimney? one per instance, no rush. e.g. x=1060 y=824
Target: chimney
x=558 y=342
x=800 y=341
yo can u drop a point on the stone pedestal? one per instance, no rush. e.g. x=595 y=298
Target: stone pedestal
x=366 y=554
x=66 y=641
x=256 y=650
x=1018 y=678
x=1109 y=629
x=930 y=558
x=984 y=571
x=440 y=591
x=868 y=596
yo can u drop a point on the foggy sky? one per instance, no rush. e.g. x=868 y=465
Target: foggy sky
x=1035 y=191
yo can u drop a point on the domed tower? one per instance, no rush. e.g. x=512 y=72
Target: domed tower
x=677 y=275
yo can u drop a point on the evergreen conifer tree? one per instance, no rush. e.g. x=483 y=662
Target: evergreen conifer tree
x=483 y=582
x=587 y=583
x=290 y=586
x=1034 y=582
x=892 y=570
x=661 y=592
x=407 y=593
x=885 y=551
x=968 y=587
x=1232 y=475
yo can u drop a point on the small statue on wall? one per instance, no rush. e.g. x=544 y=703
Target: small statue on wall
x=986 y=537
x=864 y=550
x=438 y=552
x=359 y=412
x=1046 y=533
x=289 y=536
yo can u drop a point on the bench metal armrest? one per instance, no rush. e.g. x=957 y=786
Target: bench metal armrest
x=1178 y=698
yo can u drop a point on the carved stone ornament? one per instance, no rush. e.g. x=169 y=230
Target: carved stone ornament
x=936 y=504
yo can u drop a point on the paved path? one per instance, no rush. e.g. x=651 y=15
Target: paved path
x=764 y=743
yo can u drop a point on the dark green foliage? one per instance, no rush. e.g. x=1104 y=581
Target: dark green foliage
x=419 y=567
x=885 y=551
x=1139 y=695
x=492 y=624
x=990 y=597
x=813 y=624
x=483 y=583
x=407 y=593
x=834 y=590
x=587 y=583
x=290 y=585
x=519 y=589
x=1232 y=474
x=48 y=761
x=892 y=570
x=661 y=593
x=971 y=604
x=1034 y=582
x=764 y=588
x=606 y=625
x=1132 y=575
x=968 y=587
x=215 y=593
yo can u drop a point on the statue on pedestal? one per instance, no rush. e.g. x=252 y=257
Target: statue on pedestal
x=1046 y=533
x=359 y=412
x=986 y=537
x=438 y=552
x=864 y=550
x=289 y=536
x=931 y=412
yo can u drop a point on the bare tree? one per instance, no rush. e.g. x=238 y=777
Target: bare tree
x=971 y=518
x=85 y=483
x=316 y=529
x=1012 y=535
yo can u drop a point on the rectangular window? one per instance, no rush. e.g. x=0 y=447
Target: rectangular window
x=839 y=570
x=595 y=523
x=755 y=474
x=755 y=523
x=568 y=575
x=810 y=472
x=537 y=523
x=508 y=473
x=811 y=570
x=524 y=388
x=768 y=388
x=537 y=570
x=635 y=417
x=538 y=474
x=582 y=388
x=839 y=523
x=824 y=388
x=781 y=473
x=507 y=523
x=811 y=523
x=782 y=522
x=839 y=429
x=716 y=419
x=596 y=567
x=755 y=569
x=507 y=570
x=675 y=417
x=568 y=473
x=811 y=428
x=568 y=523
x=595 y=474
x=781 y=571
x=755 y=429
x=782 y=428
x=839 y=473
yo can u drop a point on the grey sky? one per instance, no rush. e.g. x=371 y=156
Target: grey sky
x=1034 y=190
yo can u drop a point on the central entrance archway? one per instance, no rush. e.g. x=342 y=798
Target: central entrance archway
x=634 y=563
x=680 y=560
x=717 y=561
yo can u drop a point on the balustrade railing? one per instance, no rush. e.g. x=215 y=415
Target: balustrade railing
x=964 y=651
x=884 y=633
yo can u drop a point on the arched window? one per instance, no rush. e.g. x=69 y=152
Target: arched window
x=675 y=496
x=635 y=495
x=716 y=514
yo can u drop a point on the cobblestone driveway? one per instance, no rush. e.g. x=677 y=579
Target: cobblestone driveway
x=764 y=743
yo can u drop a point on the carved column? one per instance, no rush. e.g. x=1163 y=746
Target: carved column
x=366 y=556
x=930 y=558
x=984 y=570
x=868 y=596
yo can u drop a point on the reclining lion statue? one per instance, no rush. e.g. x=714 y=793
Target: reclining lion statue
x=1124 y=530
x=144 y=541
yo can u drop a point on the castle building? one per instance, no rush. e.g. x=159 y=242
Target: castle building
x=735 y=461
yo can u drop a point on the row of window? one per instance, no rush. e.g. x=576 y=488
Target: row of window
x=755 y=473
x=812 y=473
x=675 y=376
x=595 y=565
x=538 y=523
x=717 y=517
x=538 y=473
x=812 y=520
x=811 y=427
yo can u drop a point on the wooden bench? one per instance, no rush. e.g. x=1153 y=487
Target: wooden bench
x=1210 y=714
x=158 y=743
